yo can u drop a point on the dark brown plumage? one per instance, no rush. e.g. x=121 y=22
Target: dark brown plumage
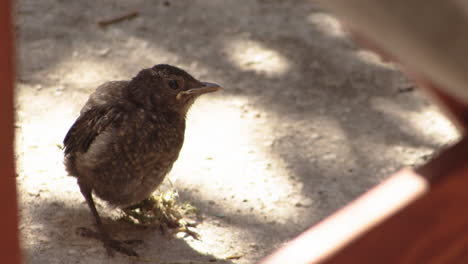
x=127 y=137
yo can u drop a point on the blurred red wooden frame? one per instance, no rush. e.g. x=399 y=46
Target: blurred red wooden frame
x=9 y=241
x=412 y=217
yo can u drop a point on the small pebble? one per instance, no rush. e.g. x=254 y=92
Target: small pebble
x=34 y=193
x=329 y=156
x=92 y=250
x=103 y=52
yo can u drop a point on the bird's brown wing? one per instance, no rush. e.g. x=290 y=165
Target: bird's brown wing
x=106 y=93
x=95 y=116
x=89 y=125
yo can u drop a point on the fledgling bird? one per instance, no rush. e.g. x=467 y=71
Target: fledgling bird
x=128 y=136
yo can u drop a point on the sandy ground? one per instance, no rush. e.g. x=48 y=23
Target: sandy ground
x=306 y=123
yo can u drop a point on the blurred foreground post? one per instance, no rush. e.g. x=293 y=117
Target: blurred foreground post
x=9 y=241
x=415 y=216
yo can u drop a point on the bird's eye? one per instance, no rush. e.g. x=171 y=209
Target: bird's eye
x=173 y=84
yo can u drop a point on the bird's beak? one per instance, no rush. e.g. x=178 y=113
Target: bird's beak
x=206 y=87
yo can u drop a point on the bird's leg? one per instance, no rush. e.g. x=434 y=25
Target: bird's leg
x=109 y=243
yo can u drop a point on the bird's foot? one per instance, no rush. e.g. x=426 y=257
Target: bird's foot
x=188 y=232
x=111 y=244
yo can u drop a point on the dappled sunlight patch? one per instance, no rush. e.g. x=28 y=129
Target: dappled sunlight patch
x=373 y=58
x=223 y=145
x=88 y=72
x=90 y=66
x=39 y=134
x=250 y=55
x=327 y=24
x=428 y=120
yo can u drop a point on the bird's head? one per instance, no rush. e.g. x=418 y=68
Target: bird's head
x=166 y=86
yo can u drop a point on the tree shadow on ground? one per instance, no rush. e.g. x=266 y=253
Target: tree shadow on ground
x=325 y=83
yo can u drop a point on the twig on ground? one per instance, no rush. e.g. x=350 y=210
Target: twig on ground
x=106 y=22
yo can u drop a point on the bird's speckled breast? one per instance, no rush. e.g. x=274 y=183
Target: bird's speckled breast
x=128 y=161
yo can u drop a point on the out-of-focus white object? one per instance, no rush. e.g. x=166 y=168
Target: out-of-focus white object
x=430 y=37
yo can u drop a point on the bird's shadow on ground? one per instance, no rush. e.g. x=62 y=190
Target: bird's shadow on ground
x=155 y=247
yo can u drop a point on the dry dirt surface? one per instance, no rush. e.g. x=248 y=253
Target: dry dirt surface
x=307 y=121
